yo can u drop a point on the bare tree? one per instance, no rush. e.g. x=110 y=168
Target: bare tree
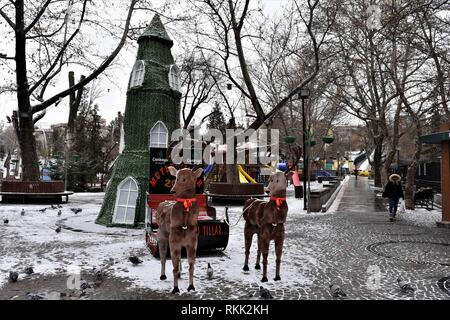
x=47 y=37
x=199 y=86
x=363 y=87
x=235 y=24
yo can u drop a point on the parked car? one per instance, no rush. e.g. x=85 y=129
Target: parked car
x=363 y=173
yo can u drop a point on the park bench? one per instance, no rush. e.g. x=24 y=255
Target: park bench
x=15 y=191
x=424 y=197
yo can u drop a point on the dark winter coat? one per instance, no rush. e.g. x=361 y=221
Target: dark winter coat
x=393 y=190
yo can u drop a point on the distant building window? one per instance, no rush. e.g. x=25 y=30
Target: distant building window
x=127 y=194
x=159 y=135
x=137 y=76
x=174 y=77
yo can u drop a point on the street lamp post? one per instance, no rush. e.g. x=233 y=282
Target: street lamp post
x=304 y=94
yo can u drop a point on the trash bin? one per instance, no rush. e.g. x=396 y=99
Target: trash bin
x=298 y=192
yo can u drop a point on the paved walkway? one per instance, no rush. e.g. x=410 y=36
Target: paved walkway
x=365 y=253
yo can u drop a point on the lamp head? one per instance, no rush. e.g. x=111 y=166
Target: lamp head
x=304 y=93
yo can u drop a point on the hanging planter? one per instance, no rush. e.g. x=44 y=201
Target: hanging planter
x=327 y=140
x=289 y=139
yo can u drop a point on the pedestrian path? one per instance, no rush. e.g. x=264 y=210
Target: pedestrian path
x=366 y=253
x=359 y=196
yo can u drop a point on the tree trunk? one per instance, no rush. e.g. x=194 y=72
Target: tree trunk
x=27 y=142
x=394 y=144
x=25 y=125
x=377 y=164
x=409 y=186
x=411 y=173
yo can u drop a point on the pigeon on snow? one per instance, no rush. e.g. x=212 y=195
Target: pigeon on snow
x=98 y=277
x=76 y=210
x=59 y=212
x=33 y=296
x=42 y=210
x=13 y=276
x=84 y=285
x=5 y=221
x=22 y=213
x=29 y=270
x=135 y=260
x=58 y=229
x=265 y=294
x=54 y=207
x=336 y=291
x=404 y=285
x=209 y=271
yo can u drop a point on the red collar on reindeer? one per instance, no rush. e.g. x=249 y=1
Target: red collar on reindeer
x=278 y=200
x=187 y=203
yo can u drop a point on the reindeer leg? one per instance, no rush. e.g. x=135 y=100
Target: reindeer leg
x=248 y=237
x=175 y=252
x=265 y=253
x=191 y=253
x=258 y=255
x=163 y=244
x=278 y=252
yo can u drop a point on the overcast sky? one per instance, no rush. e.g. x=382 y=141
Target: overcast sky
x=114 y=97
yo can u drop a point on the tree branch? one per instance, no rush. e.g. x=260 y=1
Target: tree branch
x=94 y=74
x=38 y=16
x=61 y=52
x=7 y=19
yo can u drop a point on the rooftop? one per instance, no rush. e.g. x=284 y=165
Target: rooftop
x=156 y=30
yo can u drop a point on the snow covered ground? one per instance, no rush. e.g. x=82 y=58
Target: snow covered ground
x=31 y=240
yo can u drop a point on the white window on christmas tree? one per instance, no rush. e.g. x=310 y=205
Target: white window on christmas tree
x=159 y=135
x=125 y=209
x=174 y=77
x=137 y=76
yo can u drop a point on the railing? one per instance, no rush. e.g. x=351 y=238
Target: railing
x=436 y=185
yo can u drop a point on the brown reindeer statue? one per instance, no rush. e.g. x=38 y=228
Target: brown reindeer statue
x=267 y=219
x=178 y=224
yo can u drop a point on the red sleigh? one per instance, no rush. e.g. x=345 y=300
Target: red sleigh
x=213 y=233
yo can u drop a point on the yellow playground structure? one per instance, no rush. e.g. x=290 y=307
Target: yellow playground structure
x=244 y=177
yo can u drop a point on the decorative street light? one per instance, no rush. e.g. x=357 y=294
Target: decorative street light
x=304 y=94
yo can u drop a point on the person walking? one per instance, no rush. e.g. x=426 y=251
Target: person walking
x=394 y=191
x=355 y=171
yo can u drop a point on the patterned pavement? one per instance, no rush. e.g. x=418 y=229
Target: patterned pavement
x=365 y=253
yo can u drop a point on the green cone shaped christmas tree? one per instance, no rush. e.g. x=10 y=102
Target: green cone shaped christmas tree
x=151 y=114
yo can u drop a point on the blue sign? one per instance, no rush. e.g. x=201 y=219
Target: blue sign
x=46 y=175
